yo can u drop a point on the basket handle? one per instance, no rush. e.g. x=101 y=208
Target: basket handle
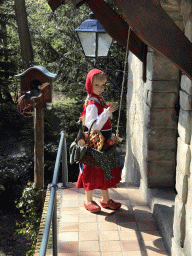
x=90 y=132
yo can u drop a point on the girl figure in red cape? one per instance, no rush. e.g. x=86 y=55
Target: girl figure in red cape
x=95 y=108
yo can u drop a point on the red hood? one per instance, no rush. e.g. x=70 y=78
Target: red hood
x=89 y=83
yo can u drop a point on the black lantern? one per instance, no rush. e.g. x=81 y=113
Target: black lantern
x=94 y=40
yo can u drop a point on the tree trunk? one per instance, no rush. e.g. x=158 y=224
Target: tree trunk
x=24 y=35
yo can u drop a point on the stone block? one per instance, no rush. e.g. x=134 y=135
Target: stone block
x=159 y=155
x=183 y=157
x=186 y=84
x=188 y=27
x=173 y=10
x=161 y=99
x=188 y=230
x=161 y=139
x=160 y=117
x=184 y=127
x=186 y=9
x=160 y=174
x=176 y=249
x=162 y=86
x=189 y=196
x=181 y=185
x=185 y=100
x=179 y=221
x=159 y=68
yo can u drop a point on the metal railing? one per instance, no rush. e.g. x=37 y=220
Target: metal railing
x=52 y=207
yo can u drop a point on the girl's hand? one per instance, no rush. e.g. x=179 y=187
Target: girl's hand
x=116 y=139
x=113 y=107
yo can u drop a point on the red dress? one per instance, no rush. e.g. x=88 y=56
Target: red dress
x=93 y=178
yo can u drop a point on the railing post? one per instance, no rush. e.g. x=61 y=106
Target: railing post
x=54 y=226
x=64 y=162
x=52 y=207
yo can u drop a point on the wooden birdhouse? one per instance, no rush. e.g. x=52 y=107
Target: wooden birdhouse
x=38 y=78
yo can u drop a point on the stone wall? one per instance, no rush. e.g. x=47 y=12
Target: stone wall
x=161 y=97
x=158 y=141
x=151 y=122
x=152 y=117
x=133 y=165
x=182 y=226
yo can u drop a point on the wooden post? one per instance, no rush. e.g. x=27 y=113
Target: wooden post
x=39 y=148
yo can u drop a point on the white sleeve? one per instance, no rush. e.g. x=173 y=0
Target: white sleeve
x=92 y=115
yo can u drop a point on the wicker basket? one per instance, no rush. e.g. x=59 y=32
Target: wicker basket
x=88 y=159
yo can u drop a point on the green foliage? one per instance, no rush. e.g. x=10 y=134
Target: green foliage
x=14 y=174
x=30 y=206
x=8 y=65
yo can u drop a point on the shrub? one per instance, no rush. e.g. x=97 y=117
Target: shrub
x=31 y=206
x=14 y=174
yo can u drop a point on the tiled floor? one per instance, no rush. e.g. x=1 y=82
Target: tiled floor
x=130 y=230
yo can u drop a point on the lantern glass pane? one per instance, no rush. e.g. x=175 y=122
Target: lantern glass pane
x=88 y=42
x=104 y=43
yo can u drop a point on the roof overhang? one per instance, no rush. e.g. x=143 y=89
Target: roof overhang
x=150 y=24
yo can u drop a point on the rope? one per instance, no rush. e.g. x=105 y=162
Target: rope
x=124 y=72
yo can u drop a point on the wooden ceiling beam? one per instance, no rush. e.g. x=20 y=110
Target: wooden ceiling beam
x=156 y=29
x=116 y=27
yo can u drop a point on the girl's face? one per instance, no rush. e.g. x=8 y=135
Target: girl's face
x=98 y=86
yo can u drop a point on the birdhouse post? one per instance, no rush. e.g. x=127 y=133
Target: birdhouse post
x=36 y=84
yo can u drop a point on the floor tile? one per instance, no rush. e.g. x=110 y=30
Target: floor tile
x=88 y=218
x=134 y=253
x=128 y=235
x=70 y=211
x=68 y=247
x=69 y=227
x=106 y=217
x=88 y=236
x=156 y=253
x=124 y=226
x=89 y=246
x=112 y=254
x=108 y=235
x=131 y=246
x=68 y=236
x=69 y=218
x=125 y=217
x=70 y=203
x=152 y=235
x=156 y=244
x=89 y=254
x=73 y=210
x=110 y=246
x=91 y=226
x=107 y=226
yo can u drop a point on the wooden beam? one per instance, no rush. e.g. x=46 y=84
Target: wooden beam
x=78 y=3
x=39 y=148
x=154 y=27
x=116 y=27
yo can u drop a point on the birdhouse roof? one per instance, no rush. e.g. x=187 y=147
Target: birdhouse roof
x=40 y=68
